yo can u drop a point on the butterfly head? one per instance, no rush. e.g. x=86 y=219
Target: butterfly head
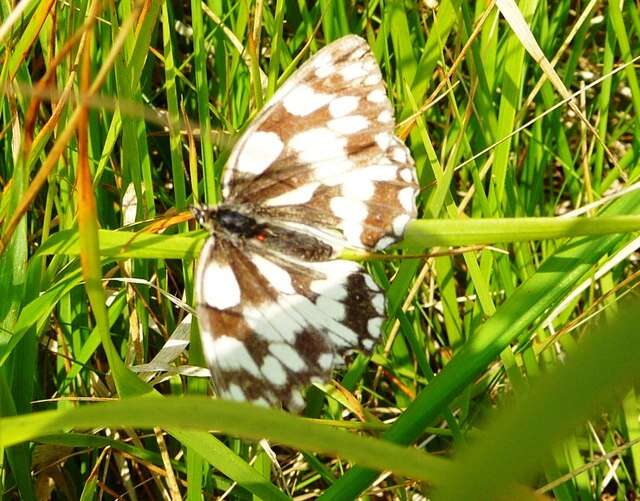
x=204 y=214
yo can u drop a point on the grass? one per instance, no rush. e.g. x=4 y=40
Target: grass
x=508 y=364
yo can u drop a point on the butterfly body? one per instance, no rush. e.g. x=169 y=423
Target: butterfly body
x=232 y=220
x=318 y=171
x=249 y=227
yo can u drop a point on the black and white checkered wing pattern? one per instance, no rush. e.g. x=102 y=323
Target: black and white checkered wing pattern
x=272 y=324
x=318 y=170
x=323 y=152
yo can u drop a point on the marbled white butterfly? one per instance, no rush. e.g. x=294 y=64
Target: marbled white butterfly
x=319 y=170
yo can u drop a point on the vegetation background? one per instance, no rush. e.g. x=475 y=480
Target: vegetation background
x=117 y=115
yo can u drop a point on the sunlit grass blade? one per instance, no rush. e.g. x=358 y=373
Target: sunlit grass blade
x=424 y=233
x=239 y=419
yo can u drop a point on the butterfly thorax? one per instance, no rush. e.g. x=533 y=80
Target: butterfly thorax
x=237 y=223
x=229 y=220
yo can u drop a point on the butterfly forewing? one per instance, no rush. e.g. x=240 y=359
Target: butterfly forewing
x=324 y=145
x=318 y=170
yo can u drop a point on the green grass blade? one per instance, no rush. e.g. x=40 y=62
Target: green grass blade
x=239 y=419
x=421 y=233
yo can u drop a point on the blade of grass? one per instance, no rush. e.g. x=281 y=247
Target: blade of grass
x=420 y=234
x=240 y=419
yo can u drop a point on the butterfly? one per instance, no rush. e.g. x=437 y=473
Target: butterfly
x=318 y=171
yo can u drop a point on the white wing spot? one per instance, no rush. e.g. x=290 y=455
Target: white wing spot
x=385 y=117
x=378 y=303
x=261 y=326
x=339 y=267
x=370 y=283
x=230 y=353
x=334 y=309
x=348 y=125
x=373 y=79
x=381 y=172
x=371 y=65
x=323 y=63
x=374 y=327
x=342 y=106
x=325 y=71
x=346 y=208
x=337 y=273
x=377 y=96
x=352 y=230
x=344 y=338
x=399 y=155
x=406 y=197
x=296 y=402
x=367 y=344
x=303 y=100
x=273 y=371
x=278 y=277
x=330 y=287
x=288 y=356
x=263 y=319
x=220 y=288
x=339 y=334
x=295 y=197
x=235 y=392
x=340 y=177
x=406 y=175
x=383 y=140
x=399 y=223
x=358 y=53
x=258 y=152
x=353 y=71
x=332 y=167
x=325 y=361
x=322 y=59
x=385 y=242
x=315 y=144
x=360 y=189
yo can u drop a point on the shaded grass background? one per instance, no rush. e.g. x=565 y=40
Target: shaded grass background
x=487 y=323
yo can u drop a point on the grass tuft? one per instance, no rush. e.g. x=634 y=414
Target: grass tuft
x=508 y=361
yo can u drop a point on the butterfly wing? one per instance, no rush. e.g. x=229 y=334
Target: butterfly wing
x=271 y=324
x=323 y=152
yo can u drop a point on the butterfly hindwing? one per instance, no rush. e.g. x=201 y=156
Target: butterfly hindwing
x=271 y=325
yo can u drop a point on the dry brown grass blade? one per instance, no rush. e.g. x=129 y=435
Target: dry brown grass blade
x=86 y=199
